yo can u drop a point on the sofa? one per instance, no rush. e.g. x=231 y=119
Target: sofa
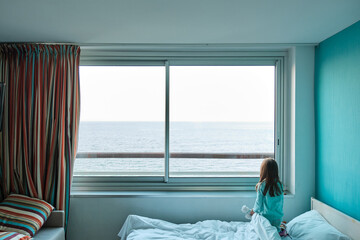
x=53 y=228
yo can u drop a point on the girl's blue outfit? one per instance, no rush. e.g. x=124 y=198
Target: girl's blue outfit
x=270 y=207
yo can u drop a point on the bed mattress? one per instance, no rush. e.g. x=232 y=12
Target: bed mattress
x=137 y=227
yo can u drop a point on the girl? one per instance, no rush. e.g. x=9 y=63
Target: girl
x=270 y=194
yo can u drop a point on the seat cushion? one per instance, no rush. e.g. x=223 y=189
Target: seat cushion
x=50 y=233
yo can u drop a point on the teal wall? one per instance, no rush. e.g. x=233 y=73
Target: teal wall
x=337 y=120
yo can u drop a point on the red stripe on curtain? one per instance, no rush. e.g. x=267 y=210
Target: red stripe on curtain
x=41 y=120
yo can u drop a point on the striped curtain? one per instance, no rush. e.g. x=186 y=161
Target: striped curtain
x=38 y=141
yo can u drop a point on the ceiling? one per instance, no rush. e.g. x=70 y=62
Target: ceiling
x=175 y=21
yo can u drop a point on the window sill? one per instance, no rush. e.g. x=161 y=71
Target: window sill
x=167 y=194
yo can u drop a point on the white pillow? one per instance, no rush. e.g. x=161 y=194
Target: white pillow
x=312 y=226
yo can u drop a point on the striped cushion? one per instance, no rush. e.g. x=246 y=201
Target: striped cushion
x=23 y=214
x=12 y=236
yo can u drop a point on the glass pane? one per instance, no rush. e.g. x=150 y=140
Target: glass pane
x=217 y=114
x=122 y=113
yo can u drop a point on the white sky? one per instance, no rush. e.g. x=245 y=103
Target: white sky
x=201 y=93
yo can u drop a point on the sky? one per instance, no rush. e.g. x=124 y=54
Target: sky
x=197 y=93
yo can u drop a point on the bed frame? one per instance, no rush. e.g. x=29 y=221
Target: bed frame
x=341 y=221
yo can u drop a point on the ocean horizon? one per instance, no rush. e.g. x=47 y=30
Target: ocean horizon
x=185 y=137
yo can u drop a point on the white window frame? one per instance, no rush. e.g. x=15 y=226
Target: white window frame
x=185 y=56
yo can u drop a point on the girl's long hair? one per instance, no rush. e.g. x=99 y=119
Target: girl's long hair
x=269 y=174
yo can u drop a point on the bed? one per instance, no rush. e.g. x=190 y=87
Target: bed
x=322 y=222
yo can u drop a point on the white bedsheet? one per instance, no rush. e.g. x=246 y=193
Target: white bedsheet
x=137 y=227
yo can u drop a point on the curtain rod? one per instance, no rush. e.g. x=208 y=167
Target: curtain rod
x=166 y=44
x=43 y=43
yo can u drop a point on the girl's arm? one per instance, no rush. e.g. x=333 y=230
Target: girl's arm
x=258 y=206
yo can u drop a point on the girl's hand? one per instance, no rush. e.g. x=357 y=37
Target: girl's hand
x=252 y=212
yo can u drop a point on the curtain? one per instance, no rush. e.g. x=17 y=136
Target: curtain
x=38 y=141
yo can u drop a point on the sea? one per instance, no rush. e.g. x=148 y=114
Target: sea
x=185 y=137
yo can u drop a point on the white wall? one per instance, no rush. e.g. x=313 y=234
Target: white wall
x=185 y=21
x=101 y=216
x=300 y=137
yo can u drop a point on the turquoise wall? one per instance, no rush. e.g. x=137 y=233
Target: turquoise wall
x=337 y=120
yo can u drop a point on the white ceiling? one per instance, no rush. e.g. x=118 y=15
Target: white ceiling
x=175 y=21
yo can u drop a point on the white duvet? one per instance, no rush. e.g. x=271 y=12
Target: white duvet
x=137 y=227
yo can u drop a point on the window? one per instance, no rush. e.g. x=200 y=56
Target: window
x=178 y=124
x=122 y=118
x=218 y=114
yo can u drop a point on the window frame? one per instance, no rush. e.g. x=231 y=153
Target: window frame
x=181 y=56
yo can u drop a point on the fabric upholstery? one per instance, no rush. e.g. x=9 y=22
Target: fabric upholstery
x=40 y=122
x=23 y=214
x=50 y=233
x=13 y=236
